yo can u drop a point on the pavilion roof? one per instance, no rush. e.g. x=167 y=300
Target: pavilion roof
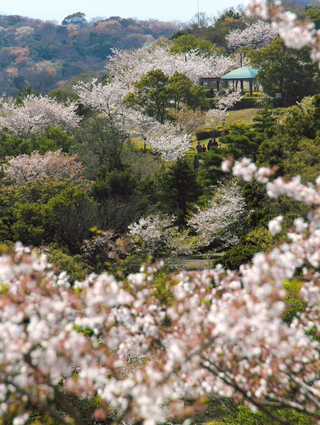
x=242 y=73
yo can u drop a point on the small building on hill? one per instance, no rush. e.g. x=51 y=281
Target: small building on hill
x=244 y=73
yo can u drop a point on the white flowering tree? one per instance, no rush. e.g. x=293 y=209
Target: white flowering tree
x=218 y=115
x=222 y=220
x=256 y=35
x=225 y=334
x=130 y=65
x=35 y=114
x=138 y=124
x=167 y=140
x=51 y=165
x=104 y=98
x=159 y=236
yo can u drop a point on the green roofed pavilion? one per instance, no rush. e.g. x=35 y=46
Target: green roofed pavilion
x=244 y=73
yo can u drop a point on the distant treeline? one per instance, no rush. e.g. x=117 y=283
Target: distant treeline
x=46 y=55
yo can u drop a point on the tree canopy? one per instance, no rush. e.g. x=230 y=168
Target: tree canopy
x=289 y=72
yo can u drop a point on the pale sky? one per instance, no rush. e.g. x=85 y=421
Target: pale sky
x=164 y=10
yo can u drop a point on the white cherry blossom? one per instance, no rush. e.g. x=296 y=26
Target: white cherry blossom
x=35 y=113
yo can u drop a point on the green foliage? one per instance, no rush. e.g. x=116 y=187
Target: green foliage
x=209 y=172
x=289 y=72
x=260 y=238
x=180 y=190
x=264 y=121
x=99 y=143
x=42 y=212
x=185 y=43
x=182 y=91
x=27 y=91
x=295 y=303
x=248 y=417
x=63 y=95
x=240 y=254
x=263 y=209
x=118 y=212
x=246 y=103
x=85 y=407
x=156 y=93
x=293 y=145
x=131 y=264
x=22 y=212
x=151 y=94
x=13 y=145
x=116 y=183
x=313 y=12
x=305 y=160
x=72 y=264
x=207 y=134
x=53 y=139
x=29 y=225
x=242 y=140
x=226 y=411
x=71 y=213
x=77 y=18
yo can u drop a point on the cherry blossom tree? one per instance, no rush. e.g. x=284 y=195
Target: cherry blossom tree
x=167 y=140
x=129 y=66
x=159 y=236
x=226 y=335
x=216 y=116
x=105 y=98
x=222 y=220
x=138 y=124
x=53 y=165
x=256 y=35
x=35 y=113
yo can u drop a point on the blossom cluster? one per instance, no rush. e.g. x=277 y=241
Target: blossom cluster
x=256 y=35
x=296 y=34
x=54 y=165
x=106 y=243
x=168 y=141
x=35 y=113
x=226 y=335
x=130 y=65
x=158 y=236
x=222 y=219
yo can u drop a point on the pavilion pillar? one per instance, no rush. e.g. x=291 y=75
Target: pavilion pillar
x=241 y=85
x=250 y=84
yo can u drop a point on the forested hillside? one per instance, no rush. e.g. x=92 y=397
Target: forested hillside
x=45 y=55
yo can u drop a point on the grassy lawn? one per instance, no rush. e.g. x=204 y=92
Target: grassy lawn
x=243 y=116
